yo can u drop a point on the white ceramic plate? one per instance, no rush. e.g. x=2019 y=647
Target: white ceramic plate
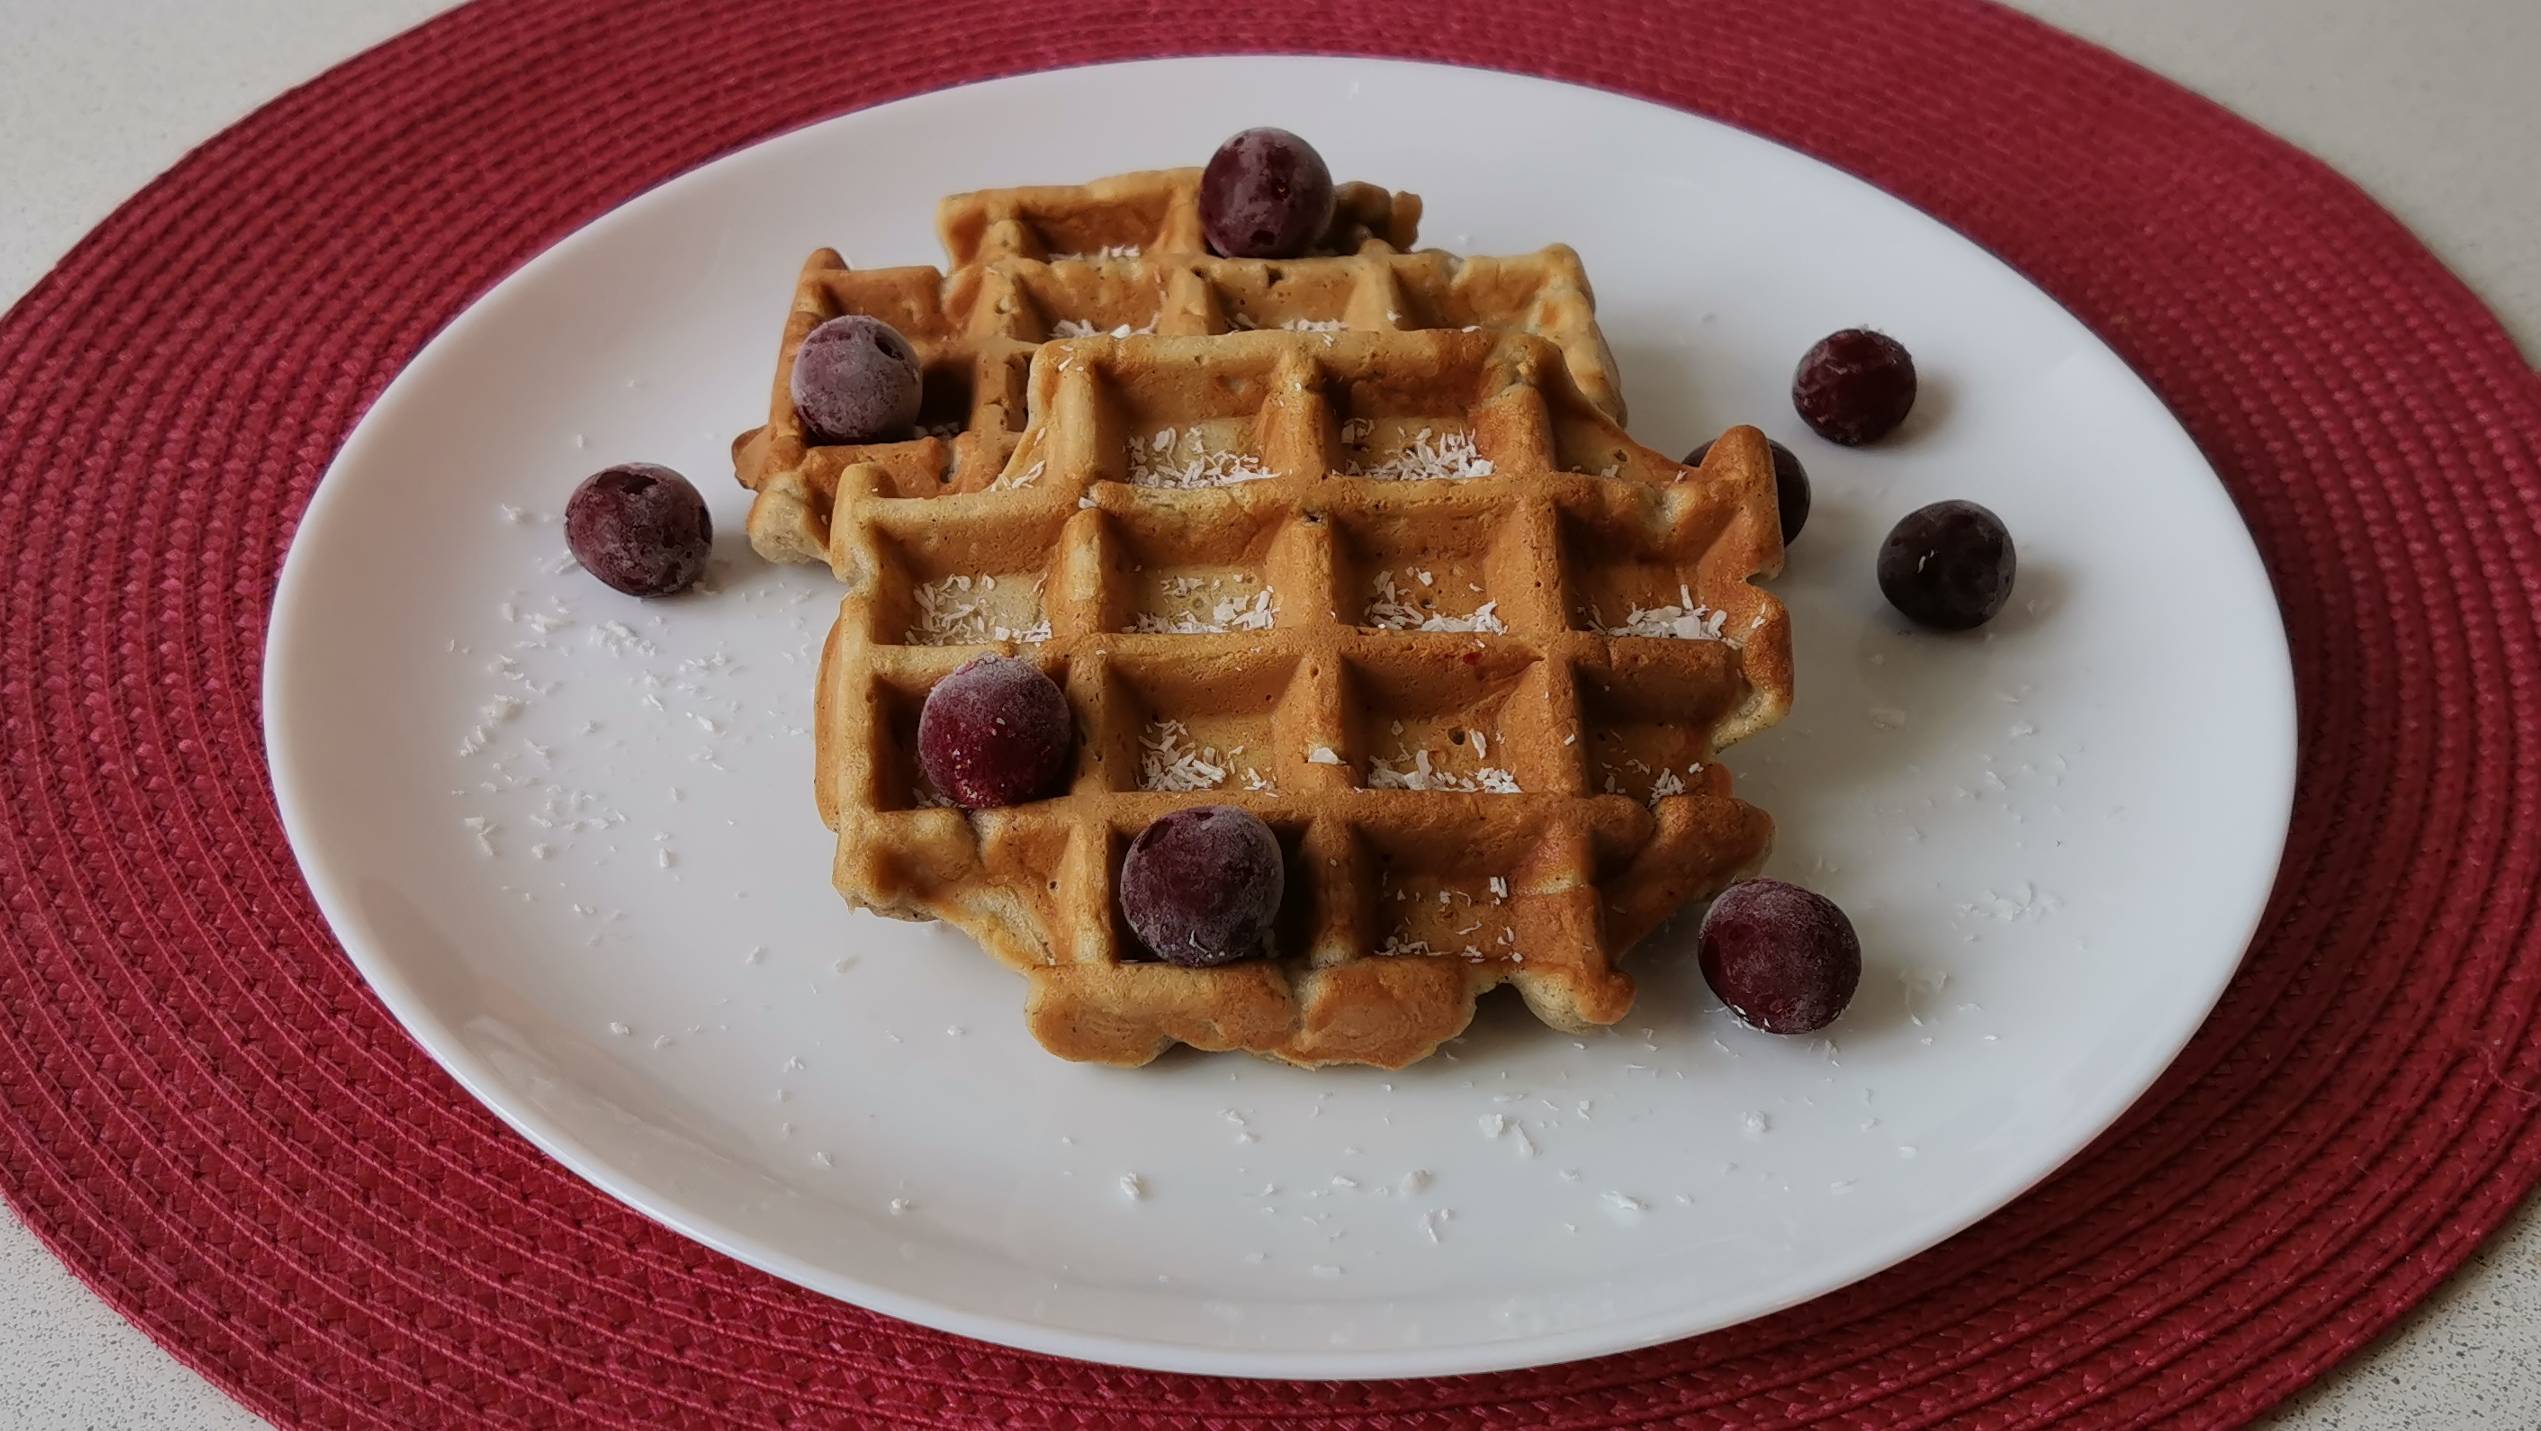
x=569 y=836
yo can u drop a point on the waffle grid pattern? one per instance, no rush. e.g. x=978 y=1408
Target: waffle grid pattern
x=1144 y=269
x=1542 y=881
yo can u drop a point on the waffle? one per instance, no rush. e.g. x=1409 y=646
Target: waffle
x=1120 y=255
x=1479 y=713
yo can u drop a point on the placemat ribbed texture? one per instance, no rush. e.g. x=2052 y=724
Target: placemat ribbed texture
x=205 y=1114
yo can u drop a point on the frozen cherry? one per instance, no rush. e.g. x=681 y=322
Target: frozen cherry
x=1265 y=194
x=855 y=380
x=1783 y=958
x=1790 y=486
x=1201 y=886
x=1948 y=565
x=1854 y=386
x=640 y=528
x=995 y=732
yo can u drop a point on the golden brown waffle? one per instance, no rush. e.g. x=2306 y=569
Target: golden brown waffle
x=1121 y=256
x=1516 y=794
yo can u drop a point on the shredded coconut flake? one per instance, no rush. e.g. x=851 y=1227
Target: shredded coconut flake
x=1235 y=613
x=949 y=614
x=1417 y=770
x=1166 y=762
x=1688 y=620
x=1387 y=611
x=1079 y=328
x=1008 y=482
x=1169 y=459
x=1323 y=755
x=619 y=639
x=1428 y=457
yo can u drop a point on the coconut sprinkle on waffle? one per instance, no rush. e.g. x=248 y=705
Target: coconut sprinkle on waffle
x=1234 y=613
x=1688 y=620
x=1429 y=456
x=1418 y=770
x=1168 y=761
x=1243 y=324
x=1388 y=611
x=1162 y=461
x=955 y=611
x=1080 y=328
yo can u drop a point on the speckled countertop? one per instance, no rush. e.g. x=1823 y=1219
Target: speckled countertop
x=2424 y=102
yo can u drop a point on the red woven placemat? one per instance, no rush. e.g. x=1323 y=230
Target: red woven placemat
x=205 y=1114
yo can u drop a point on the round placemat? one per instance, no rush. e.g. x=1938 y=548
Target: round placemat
x=207 y=1116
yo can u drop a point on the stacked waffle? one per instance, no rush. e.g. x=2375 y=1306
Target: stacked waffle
x=1122 y=257
x=1354 y=542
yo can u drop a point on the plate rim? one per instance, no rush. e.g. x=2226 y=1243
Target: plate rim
x=297 y=811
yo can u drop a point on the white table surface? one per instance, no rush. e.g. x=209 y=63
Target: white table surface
x=2430 y=104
